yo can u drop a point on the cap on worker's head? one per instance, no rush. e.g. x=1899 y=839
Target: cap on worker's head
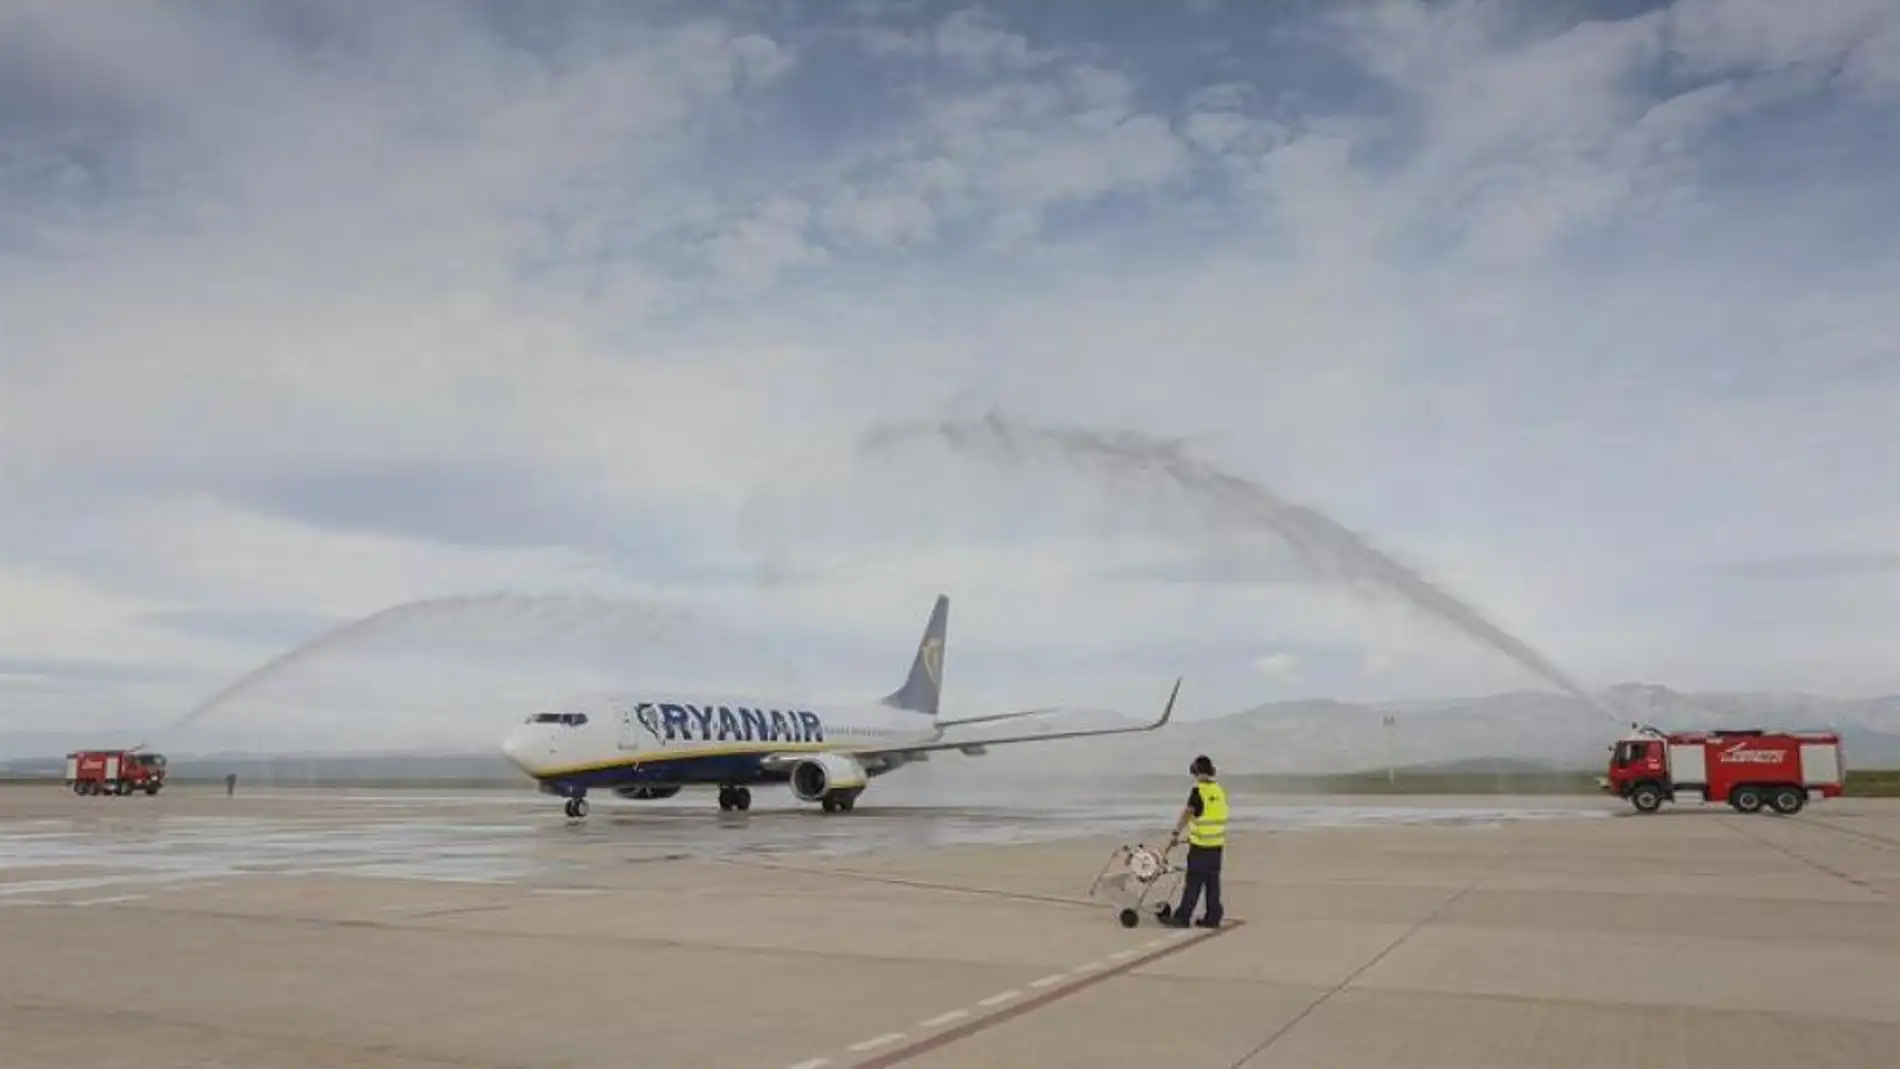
x=1202 y=766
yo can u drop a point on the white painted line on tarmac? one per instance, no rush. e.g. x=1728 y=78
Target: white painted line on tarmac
x=997 y=1000
x=945 y=1018
x=877 y=1041
x=1120 y=954
x=107 y=901
x=813 y=1064
x=1049 y=981
x=1087 y=967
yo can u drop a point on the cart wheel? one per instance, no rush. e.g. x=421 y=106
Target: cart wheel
x=1164 y=910
x=1130 y=918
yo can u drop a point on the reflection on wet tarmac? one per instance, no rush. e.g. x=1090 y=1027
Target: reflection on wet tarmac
x=495 y=837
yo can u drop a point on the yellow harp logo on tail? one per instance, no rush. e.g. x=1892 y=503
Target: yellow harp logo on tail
x=933 y=660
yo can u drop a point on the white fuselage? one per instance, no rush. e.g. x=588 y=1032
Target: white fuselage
x=613 y=741
x=653 y=745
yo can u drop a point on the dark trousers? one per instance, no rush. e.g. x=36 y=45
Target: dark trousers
x=1203 y=874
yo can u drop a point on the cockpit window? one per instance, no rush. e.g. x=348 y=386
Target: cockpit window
x=572 y=720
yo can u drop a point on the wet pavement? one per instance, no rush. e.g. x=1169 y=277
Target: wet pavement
x=419 y=930
x=64 y=844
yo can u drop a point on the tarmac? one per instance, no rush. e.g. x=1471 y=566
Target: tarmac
x=387 y=929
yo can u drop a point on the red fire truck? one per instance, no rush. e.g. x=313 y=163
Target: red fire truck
x=115 y=771
x=1750 y=770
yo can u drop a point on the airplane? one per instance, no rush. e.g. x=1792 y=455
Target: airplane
x=649 y=746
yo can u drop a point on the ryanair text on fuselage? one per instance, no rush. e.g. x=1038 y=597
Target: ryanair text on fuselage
x=679 y=722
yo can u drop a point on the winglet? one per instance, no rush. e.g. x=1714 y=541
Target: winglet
x=1169 y=710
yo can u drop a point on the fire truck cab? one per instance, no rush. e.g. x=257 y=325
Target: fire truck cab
x=119 y=772
x=1749 y=769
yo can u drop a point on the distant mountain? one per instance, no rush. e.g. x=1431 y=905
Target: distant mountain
x=1503 y=731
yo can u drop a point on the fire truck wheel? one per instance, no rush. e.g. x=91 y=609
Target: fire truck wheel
x=1788 y=801
x=1646 y=799
x=1746 y=800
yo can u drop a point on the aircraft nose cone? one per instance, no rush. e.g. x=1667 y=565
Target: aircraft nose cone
x=517 y=749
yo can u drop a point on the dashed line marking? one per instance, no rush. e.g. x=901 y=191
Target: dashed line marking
x=1049 y=980
x=986 y=1021
x=998 y=999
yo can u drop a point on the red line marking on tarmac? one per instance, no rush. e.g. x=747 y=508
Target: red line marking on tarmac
x=981 y=1024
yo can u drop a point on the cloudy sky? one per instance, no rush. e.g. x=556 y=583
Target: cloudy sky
x=307 y=310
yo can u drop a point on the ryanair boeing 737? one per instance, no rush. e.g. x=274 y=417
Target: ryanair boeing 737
x=651 y=745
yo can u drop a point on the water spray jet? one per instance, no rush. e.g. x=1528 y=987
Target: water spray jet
x=566 y=615
x=1321 y=543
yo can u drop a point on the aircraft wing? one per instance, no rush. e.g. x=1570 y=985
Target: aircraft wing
x=991 y=718
x=977 y=746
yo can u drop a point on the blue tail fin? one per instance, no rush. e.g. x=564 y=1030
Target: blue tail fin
x=924 y=686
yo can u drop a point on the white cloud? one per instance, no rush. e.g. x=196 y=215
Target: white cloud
x=1281 y=666
x=1724 y=36
x=755 y=251
x=973 y=38
x=1568 y=315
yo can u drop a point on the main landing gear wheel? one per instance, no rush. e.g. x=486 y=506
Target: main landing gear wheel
x=731 y=798
x=577 y=809
x=839 y=801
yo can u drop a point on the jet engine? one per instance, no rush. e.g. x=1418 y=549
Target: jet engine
x=820 y=774
x=646 y=792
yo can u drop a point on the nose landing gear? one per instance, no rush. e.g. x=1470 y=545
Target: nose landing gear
x=577 y=808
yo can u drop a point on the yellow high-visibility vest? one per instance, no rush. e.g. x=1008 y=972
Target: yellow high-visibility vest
x=1210 y=828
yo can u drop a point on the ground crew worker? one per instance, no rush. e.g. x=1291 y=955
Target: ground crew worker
x=230 y=784
x=1205 y=817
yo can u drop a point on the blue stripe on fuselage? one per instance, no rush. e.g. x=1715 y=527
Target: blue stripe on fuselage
x=723 y=768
